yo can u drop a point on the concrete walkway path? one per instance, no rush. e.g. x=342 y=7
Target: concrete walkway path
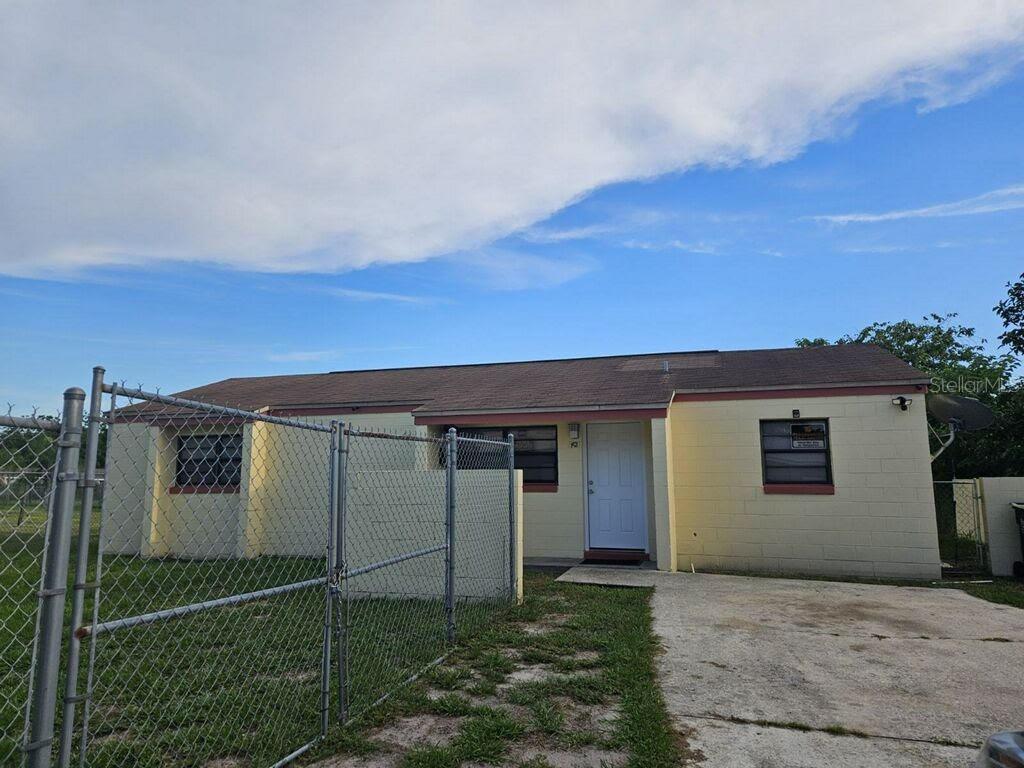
x=766 y=673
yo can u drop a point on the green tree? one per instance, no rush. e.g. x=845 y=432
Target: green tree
x=959 y=362
x=26 y=449
x=1011 y=312
x=950 y=352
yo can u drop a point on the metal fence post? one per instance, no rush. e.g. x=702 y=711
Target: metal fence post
x=340 y=567
x=54 y=584
x=92 y=442
x=449 y=531
x=512 y=570
x=331 y=584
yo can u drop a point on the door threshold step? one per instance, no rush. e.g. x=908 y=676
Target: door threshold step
x=614 y=556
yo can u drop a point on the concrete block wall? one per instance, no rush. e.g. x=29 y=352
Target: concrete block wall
x=880 y=522
x=395 y=505
x=1000 y=523
x=554 y=521
x=394 y=512
x=142 y=517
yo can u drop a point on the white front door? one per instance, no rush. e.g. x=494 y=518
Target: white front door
x=616 y=486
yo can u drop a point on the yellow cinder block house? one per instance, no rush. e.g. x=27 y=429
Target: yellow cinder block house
x=803 y=460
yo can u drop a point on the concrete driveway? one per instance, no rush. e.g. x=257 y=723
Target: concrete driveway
x=765 y=673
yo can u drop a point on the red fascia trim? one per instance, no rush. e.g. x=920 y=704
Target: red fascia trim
x=798 y=489
x=775 y=394
x=540 y=487
x=324 y=410
x=543 y=417
x=177 y=489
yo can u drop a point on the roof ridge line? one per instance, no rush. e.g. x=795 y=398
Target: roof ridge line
x=519 y=362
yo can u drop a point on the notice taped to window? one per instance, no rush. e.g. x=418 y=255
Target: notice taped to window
x=808 y=436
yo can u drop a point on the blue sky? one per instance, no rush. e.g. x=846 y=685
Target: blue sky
x=729 y=251
x=711 y=258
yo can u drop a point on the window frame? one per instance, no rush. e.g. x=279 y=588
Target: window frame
x=190 y=485
x=505 y=430
x=811 y=486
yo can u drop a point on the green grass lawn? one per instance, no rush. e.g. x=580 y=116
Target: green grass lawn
x=229 y=682
x=1001 y=590
x=600 y=653
x=20 y=548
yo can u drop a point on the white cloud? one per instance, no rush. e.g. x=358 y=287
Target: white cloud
x=502 y=269
x=1005 y=199
x=357 y=295
x=302 y=356
x=546 y=235
x=882 y=248
x=331 y=136
x=699 y=247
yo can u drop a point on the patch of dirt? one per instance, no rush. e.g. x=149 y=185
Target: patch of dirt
x=556 y=619
x=417 y=731
x=558 y=757
x=690 y=755
x=531 y=673
x=377 y=760
x=226 y=762
x=600 y=718
x=535 y=629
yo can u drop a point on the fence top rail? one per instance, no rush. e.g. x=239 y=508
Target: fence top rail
x=197 y=405
x=30 y=422
x=354 y=431
x=461 y=438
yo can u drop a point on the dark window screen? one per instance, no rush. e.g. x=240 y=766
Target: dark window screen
x=536 y=449
x=796 y=451
x=209 y=460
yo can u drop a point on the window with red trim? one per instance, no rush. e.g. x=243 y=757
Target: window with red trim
x=796 y=452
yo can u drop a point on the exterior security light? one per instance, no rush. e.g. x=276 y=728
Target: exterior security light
x=903 y=403
x=574 y=431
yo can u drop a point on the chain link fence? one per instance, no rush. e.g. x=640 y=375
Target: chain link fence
x=426 y=554
x=962 y=543
x=206 y=638
x=243 y=582
x=28 y=455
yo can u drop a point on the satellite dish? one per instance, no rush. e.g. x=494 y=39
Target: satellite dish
x=963 y=414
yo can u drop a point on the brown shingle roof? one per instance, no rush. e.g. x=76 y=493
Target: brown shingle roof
x=619 y=381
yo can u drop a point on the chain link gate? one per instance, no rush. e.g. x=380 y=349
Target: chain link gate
x=963 y=547
x=207 y=634
x=246 y=581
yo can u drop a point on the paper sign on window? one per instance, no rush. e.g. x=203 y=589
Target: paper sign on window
x=808 y=436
